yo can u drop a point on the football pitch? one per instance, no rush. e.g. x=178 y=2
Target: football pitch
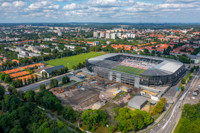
x=73 y=60
x=130 y=70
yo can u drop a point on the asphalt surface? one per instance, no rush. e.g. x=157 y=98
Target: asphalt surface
x=167 y=123
x=36 y=85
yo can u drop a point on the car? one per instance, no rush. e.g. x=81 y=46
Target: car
x=193 y=98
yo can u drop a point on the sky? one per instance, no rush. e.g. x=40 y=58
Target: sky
x=103 y=11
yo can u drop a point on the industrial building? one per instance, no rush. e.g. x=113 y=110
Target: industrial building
x=136 y=70
x=137 y=102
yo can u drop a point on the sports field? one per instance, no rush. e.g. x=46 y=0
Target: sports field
x=73 y=60
x=130 y=70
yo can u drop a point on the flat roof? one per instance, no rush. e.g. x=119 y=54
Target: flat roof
x=137 y=102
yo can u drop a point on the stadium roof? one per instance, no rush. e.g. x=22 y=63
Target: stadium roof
x=166 y=67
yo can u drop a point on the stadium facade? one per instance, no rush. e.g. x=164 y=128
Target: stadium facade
x=136 y=70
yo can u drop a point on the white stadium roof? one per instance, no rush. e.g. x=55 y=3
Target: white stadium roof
x=166 y=67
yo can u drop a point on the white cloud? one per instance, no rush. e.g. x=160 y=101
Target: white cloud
x=43 y=5
x=19 y=3
x=100 y=10
x=5 y=4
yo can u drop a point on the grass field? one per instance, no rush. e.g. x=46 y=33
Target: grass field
x=130 y=70
x=178 y=126
x=73 y=60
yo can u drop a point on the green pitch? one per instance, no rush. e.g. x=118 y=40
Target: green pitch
x=73 y=60
x=130 y=70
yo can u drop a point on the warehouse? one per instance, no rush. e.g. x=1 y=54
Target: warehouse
x=137 y=102
x=51 y=69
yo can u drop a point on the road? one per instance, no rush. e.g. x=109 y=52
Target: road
x=167 y=123
x=36 y=85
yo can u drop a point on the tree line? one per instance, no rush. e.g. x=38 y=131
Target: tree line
x=25 y=117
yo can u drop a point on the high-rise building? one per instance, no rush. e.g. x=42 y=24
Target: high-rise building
x=59 y=32
x=107 y=35
x=95 y=34
x=102 y=34
x=119 y=34
x=113 y=35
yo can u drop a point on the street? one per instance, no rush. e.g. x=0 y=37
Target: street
x=166 y=125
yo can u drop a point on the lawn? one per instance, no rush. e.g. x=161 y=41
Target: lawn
x=73 y=60
x=178 y=126
x=130 y=70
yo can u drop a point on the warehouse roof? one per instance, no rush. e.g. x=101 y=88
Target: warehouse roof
x=49 y=70
x=137 y=102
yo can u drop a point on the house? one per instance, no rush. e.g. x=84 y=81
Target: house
x=49 y=70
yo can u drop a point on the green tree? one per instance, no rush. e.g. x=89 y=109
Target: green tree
x=70 y=114
x=32 y=79
x=29 y=96
x=94 y=117
x=42 y=87
x=25 y=81
x=129 y=120
x=2 y=91
x=7 y=79
x=183 y=81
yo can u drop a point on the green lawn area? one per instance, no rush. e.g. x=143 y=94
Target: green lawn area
x=130 y=70
x=178 y=126
x=73 y=60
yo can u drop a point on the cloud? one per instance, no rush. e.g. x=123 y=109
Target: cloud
x=43 y=5
x=100 y=10
x=5 y=4
x=74 y=6
x=19 y=3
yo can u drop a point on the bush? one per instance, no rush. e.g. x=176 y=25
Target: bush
x=182 y=88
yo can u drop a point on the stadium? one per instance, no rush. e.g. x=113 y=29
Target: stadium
x=136 y=70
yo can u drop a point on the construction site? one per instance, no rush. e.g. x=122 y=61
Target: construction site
x=94 y=92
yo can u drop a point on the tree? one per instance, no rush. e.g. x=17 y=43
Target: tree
x=2 y=91
x=29 y=81
x=183 y=81
x=159 y=107
x=7 y=79
x=42 y=75
x=25 y=81
x=94 y=117
x=16 y=129
x=65 y=80
x=42 y=87
x=53 y=83
x=36 y=78
x=2 y=76
x=129 y=120
x=45 y=75
x=32 y=79
x=29 y=96
x=70 y=114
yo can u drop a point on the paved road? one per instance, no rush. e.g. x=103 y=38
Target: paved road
x=36 y=85
x=167 y=124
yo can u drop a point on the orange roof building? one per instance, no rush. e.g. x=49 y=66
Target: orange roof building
x=11 y=71
x=16 y=60
x=19 y=74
